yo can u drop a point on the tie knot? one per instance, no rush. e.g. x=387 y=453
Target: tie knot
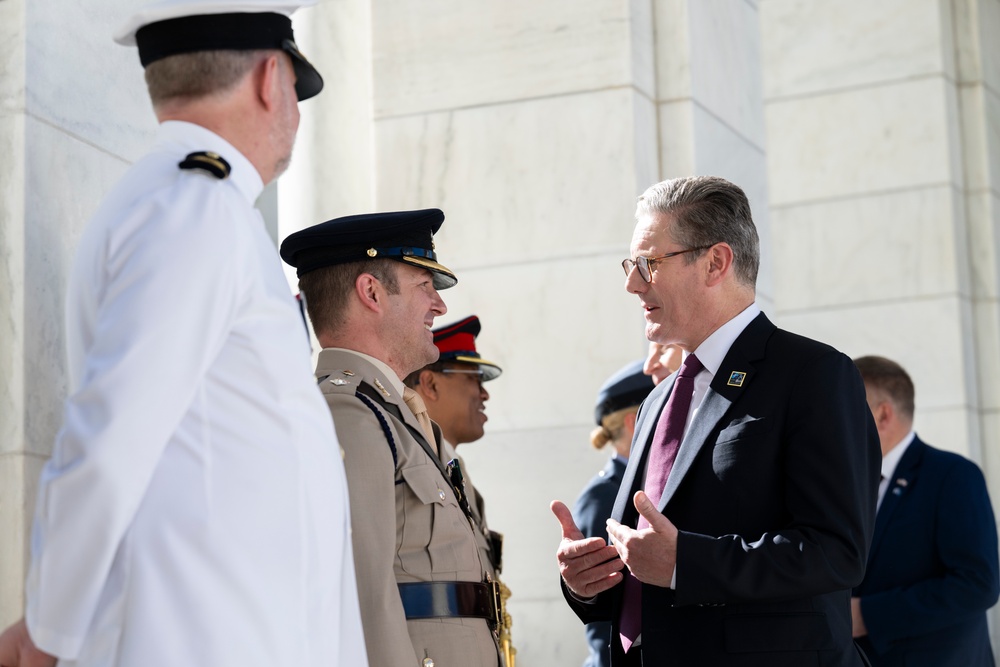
x=413 y=401
x=691 y=367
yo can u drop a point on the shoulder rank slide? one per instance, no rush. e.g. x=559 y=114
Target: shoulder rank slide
x=213 y=163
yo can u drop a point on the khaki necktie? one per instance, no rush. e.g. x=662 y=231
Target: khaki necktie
x=416 y=405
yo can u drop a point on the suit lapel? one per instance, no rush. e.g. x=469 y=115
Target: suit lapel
x=646 y=425
x=903 y=478
x=733 y=377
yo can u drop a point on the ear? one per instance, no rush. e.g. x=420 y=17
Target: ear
x=267 y=81
x=720 y=263
x=630 y=423
x=883 y=414
x=428 y=385
x=370 y=292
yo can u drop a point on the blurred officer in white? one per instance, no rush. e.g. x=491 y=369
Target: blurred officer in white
x=195 y=510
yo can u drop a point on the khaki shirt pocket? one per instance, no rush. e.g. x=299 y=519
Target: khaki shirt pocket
x=436 y=541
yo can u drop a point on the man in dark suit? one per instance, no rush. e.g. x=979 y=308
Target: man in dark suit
x=748 y=503
x=933 y=568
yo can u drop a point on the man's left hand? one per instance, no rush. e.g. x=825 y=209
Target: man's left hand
x=650 y=553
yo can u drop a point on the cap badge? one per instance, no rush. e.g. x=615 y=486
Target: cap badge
x=349 y=374
x=736 y=379
x=372 y=252
x=340 y=382
x=385 y=392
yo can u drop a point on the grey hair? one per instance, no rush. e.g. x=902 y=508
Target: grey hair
x=707 y=210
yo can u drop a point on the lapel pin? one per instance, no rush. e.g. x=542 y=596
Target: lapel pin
x=385 y=392
x=901 y=482
x=349 y=374
x=340 y=382
x=736 y=379
x=897 y=491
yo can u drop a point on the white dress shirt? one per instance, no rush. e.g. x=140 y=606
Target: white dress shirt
x=195 y=510
x=889 y=463
x=711 y=353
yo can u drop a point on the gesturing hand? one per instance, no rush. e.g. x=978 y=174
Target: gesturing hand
x=650 y=553
x=588 y=566
x=17 y=649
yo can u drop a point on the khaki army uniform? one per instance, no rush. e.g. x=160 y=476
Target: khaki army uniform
x=489 y=542
x=408 y=523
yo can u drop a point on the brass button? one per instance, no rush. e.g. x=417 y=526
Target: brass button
x=442 y=495
x=428 y=662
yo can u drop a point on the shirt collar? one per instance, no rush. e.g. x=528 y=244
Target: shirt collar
x=891 y=460
x=190 y=138
x=714 y=349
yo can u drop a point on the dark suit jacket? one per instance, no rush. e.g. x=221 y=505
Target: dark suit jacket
x=591 y=513
x=933 y=570
x=773 y=492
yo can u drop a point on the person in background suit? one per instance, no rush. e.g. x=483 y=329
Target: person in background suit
x=618 y=401
x=194 y=511
x=747 y=507
x=933 y=568
x=370 y=283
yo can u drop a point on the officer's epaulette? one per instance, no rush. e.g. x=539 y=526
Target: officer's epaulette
x=209 y=162
x=339 y=382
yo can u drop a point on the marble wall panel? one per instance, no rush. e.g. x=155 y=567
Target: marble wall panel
x=951 y=429
x=861 y=142
x=810 y=47
x=694 y=141
x=977 y=135
x=12 y=85
x=987 y=20
x=444 y=54
x=561 y=641
x=18 y=486
x=558 y=328
x=925 y=336
x=554 y=177
x=81 y=80
x=63 y=197
x=332 y=169
x=986 y=360
x=726 y=66
x=673 y=49
x=983 y=220
x=877 y=248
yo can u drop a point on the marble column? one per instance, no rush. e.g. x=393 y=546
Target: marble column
x=12 y=454
x=883 y=125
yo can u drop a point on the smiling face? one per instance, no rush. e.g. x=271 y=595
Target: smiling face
x=671 y=300
x=409 y=316
x=459 y=406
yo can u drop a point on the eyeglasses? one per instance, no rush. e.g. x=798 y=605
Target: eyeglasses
x=646 y=265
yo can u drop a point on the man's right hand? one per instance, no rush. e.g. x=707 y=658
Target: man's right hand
x=588 y=566
x=17 y=649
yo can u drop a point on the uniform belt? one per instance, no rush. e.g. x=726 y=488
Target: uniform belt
x=447 y=599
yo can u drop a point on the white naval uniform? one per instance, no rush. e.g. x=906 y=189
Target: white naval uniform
x=195 y=509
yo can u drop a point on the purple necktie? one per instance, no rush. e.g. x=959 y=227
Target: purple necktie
x=662 y=452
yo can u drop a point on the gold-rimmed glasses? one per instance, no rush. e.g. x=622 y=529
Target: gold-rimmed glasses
x=646 y=265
